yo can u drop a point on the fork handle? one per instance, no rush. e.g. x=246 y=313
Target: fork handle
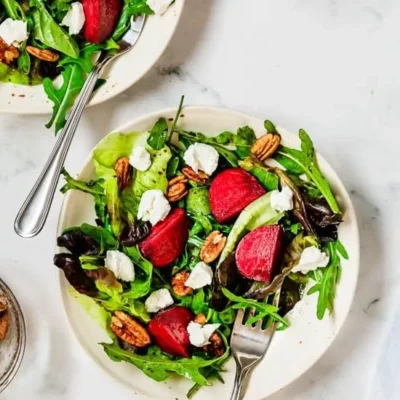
x=241 y=374
x=33 y=213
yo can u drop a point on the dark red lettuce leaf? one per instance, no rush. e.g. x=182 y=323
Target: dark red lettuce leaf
x=78 y=243
x=74 y=274
x=134 y=234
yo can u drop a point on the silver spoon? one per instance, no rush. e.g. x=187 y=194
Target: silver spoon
x=33 y=213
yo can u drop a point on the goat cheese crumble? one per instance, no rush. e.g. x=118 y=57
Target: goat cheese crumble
x=13 y=32
x=158 y=300
x=159 y=6
x=202 y=157
x=153 y=207
x=140 y=159
x=282 y=200
x=200 y=276
x=199 y=335
x=311 y=259
x=74 y=19
x=121 y=265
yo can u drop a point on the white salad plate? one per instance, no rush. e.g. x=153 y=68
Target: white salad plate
x=292 y=352
x=122 y=73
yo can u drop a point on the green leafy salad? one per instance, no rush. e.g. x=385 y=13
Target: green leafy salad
x=190 y=228
x=41 y=39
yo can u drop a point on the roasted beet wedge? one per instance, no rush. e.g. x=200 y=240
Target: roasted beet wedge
x=259 y=253
x=231 y=191
x=101 y=18
x=169 y=330
x=167 y=239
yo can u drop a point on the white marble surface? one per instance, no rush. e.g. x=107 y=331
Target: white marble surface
x=331 y=66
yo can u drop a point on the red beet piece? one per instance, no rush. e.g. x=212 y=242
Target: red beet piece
x=167 y=239
x=169 y=330
x=101 y=17
x=259 y=252
x=231 y=191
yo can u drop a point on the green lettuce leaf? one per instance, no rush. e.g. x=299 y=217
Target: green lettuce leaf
x=198 y=201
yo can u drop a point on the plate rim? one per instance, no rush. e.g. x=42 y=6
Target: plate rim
x=121 y=87
x=124 y=128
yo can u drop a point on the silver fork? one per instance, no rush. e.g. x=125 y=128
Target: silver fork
x=249 y=345
x=33 y=213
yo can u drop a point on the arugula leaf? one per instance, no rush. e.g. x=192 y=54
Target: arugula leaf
x=268 y=179
x=262 y=309
x=305 y=161
x=50 y=33
x=243 y=140
x=92 y=187
x=159 y=366
x=13 y=9
x=270 y=127
x=327 y=279
x=130 y=9
x=64 y=97
x=159 y=134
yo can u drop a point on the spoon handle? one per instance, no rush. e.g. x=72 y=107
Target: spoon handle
x=33 y=213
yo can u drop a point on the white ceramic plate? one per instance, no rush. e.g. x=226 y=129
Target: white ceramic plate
x=292 y=351
x=121 y=74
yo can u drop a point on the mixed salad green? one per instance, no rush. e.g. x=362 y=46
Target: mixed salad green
x=167 y=291
x=41 y=39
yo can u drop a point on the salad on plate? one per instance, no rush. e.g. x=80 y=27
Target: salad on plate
x=42 y=39
x=190 y=228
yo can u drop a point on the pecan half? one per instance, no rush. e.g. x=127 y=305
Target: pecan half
x=212 y=247
x=216 y=346
x=124 y=172
x=129 y=330
x=198 y=177
x=200 y=319
x=7 y=53
x=266 y=146
x=4 y=318
x=43 y=54
x=177 y=189
x=178 y=283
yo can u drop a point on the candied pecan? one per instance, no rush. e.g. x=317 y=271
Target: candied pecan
x=43 y=54
x=177 y=189
x=7 y=53
x=124 y=172
x=198 y=177
x=216 y=346
x=212 y=247
x=200 y=319
x=178 y=283
x=129 y=330
x=266 y=146
x=4 y=318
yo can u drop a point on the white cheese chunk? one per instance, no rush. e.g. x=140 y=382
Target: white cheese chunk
x=159 y=6
x=199 y=335
x=121 y=265
x=158 y=300
x=13 y=32
x=311 y=259
x=282 y=200
x=140 y=159
x=202 y=157
x=153 y=207
x=200 y=276
x=74 y=19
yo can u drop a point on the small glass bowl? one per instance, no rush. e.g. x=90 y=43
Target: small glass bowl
x=12 y=348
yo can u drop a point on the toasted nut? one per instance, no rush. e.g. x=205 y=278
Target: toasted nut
x=216 y=346
x=177 y=189
x=43 y=54
x=198 y=177
x=7 y=53
x=212 y=247
x=178 y=283
x=129 y=330
x=124 y=172
x=266 y=146
x=4 y=318
x=200 y=319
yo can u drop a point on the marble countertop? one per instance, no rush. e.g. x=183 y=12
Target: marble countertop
x=330 y=66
